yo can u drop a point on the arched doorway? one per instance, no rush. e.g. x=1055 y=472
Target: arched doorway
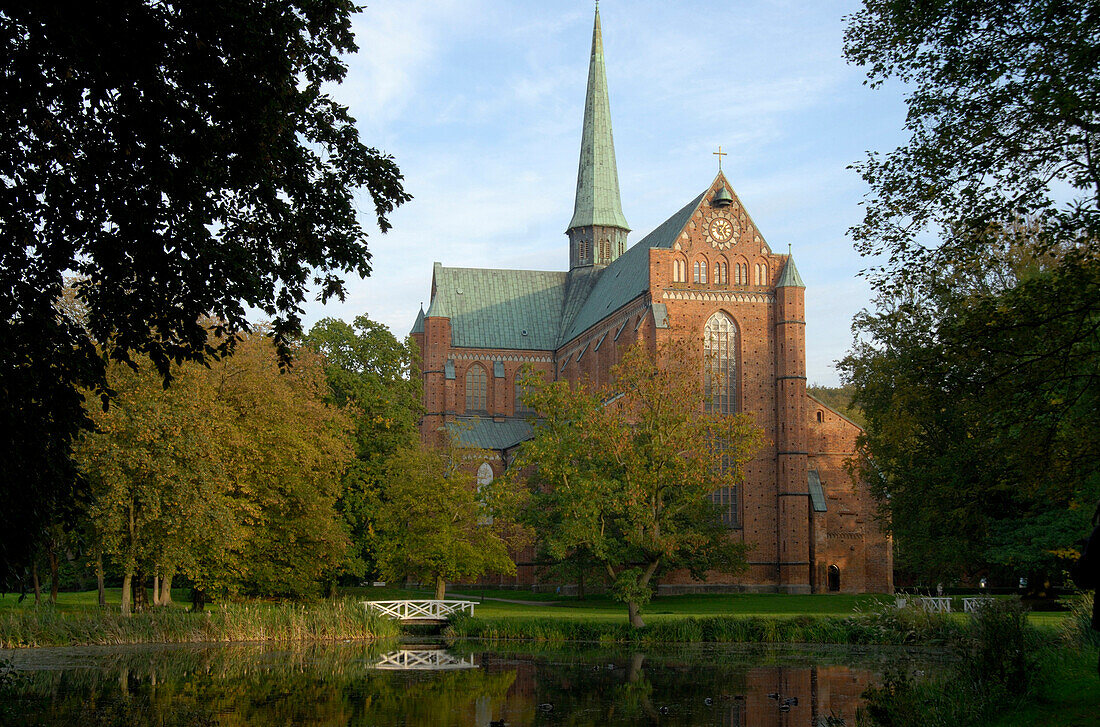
x=834 y=579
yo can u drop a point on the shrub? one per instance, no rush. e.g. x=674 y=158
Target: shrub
x=998 y=666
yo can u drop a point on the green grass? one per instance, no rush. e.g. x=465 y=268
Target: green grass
x=1071 y=697
x=340 y=620
x=73 y=602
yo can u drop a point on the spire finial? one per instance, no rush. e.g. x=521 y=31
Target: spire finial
x=720 y=154
x=788 y=249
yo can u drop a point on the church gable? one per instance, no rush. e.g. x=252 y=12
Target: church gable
x=720 y=224
x=717 y=245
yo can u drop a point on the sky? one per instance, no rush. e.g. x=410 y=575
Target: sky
x=481 y=101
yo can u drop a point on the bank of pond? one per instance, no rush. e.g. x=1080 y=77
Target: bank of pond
x=336 y=663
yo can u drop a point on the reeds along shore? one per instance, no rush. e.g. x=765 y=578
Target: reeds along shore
x=249 y=621
x=880 y=627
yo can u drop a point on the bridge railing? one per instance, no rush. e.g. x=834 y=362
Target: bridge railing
x=430 y=610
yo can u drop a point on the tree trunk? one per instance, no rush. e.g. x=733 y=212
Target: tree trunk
x=156 y=591
x=100 y=589
x=580 y=586
x=440 y=588
x=166 y=589
x=140 y=592
x=126 y=579
x=55 y=569
x=37 y=585
x=635 y=613
x=198 y=599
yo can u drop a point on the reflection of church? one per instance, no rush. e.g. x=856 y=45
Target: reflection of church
x=705 y=273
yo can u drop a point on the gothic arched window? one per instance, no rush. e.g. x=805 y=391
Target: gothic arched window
x=721 y=273
x=477 y=385
x=720 y=364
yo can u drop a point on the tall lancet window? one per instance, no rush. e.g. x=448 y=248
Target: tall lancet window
x=476 y=389
x=720 y=364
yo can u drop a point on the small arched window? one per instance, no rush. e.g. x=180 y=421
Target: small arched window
x=679 y=271
x=700 y=272
x=477 y=386
x=721 y=273
x=743 y=273
x=605 y=250
x=820 y=416
x=761 y=274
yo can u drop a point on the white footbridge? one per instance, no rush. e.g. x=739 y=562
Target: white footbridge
x=420 y=611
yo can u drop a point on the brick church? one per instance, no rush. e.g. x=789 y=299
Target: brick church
x=706 y=272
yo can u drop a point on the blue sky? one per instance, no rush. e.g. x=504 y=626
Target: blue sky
x=480 y=102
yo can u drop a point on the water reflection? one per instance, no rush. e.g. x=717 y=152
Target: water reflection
x=466 y=684
x=423 y=659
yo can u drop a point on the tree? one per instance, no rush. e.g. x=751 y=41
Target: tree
x=1003 y=107
x=978 y=369
x=623 y=475
x=229 y=476
x=435 y=525
x=982 y=416
x=370 y=373
x=185 y=160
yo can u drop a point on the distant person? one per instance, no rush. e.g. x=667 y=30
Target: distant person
x=1086 y=572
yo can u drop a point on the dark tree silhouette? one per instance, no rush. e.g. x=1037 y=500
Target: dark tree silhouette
x=178 y=160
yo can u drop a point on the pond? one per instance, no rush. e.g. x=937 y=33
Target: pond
x=422 y=683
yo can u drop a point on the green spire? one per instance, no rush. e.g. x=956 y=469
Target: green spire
x=597 y=176
x=790 y=277
x=418 y=325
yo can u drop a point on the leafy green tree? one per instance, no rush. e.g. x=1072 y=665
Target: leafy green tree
x=370 y=373
x=185 y=160
x=154 y=467
x=623 y=475
x=1003 y=105
x=435 y=525
x=978 y=369
x=229 y=476
x=982 y=421
x=291 y=449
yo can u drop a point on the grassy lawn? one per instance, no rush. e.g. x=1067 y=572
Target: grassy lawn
x=70 y=602
x=550 y=605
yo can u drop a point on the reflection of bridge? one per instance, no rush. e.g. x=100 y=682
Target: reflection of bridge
x=423 y=660
x=420 y=611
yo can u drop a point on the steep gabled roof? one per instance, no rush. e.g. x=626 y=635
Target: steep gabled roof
x=517 y=309
x=628 y=276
